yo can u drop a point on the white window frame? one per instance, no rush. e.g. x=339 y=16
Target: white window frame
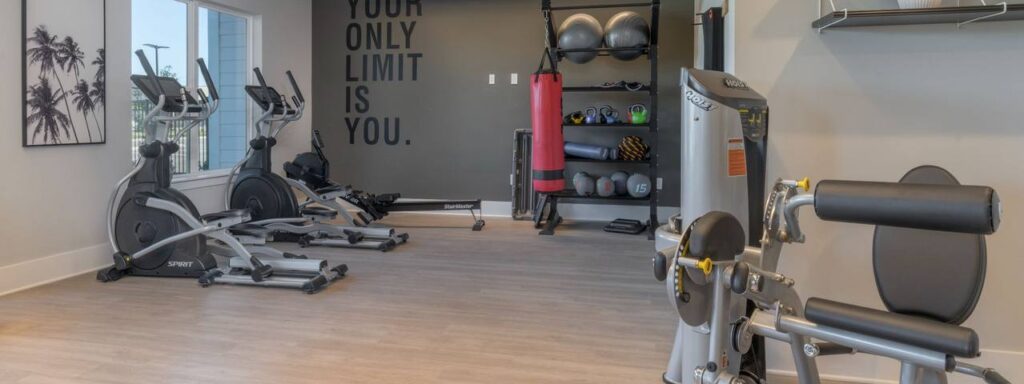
x=197 y=178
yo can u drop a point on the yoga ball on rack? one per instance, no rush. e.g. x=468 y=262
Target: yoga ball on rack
x=580 y=31
x=627 y=30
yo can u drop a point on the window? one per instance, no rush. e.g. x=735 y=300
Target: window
x=174 y=33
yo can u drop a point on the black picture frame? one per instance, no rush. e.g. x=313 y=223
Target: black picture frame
x=87 y=63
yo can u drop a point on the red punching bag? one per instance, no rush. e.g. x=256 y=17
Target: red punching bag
x=548 y=142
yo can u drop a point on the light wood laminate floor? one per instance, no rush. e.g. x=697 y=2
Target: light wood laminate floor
x=451 y=306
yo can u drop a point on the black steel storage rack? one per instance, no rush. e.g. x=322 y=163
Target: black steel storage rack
x=545 y=214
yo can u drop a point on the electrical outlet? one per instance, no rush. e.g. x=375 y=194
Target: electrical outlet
x=491 y=79
x=511 y=179
x=515 y=79
x=660 y=183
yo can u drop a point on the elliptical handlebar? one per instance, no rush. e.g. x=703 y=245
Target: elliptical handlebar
x=295 y=87
x=263 y=84
x=150 y=72
x=209 y=80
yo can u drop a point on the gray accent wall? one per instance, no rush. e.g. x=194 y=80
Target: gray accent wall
x=454 y=130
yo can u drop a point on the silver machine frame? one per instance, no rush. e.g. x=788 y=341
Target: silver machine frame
x=779 y=314
x=318 y=229
x=297 y=273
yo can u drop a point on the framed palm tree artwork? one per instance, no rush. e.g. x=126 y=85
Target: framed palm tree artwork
x=64 y=72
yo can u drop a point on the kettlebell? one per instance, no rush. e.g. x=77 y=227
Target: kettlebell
x=609 y=115
x=592 y=117
x=575 y=118
x=638 y=114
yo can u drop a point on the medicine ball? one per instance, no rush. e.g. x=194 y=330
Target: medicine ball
x=580 y=31
x=627 y=30
x=639 y=185
x=584 y=184
x=632 y=148
x=605 y=187
x=620 y=179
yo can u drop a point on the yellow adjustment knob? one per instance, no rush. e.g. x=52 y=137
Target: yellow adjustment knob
x=804 y=184
x=705 y=265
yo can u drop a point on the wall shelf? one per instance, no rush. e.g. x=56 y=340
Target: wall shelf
x=572 y=159
x=618 y=88
x=571 y=195
x=962 y=15
x=622 y=125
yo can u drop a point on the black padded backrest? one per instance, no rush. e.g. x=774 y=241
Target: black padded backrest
x=718 y=236
x=933 y=274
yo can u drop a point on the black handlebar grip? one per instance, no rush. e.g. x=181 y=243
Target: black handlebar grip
x=209 y=80
x=149 y=72
x=263 y=85
x=993 y=377
x=740 y=276
x=950 y=208
x=660 y=264
x=318 y=141
x=295 y=87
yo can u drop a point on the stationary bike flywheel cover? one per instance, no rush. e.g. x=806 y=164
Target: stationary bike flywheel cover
x=264 y=198
x=136 y=227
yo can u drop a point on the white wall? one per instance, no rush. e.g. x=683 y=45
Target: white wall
x=870 y=104
x=53 y=200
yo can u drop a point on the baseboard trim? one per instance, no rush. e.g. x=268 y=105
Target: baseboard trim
x=570 y=211
x=33 y=273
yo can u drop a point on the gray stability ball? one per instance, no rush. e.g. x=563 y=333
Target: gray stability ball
x=580 y=31
x=627 y=30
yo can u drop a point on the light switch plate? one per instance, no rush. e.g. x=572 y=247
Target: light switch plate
x=491 y=79
x=660 y=183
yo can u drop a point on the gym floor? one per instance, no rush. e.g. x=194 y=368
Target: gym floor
x=452 y=306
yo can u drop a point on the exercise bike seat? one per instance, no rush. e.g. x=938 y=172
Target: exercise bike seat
x=320 y=212
x=229 y=214
x=913 y=330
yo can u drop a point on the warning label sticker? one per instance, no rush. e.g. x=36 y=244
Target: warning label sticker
x=737 y=158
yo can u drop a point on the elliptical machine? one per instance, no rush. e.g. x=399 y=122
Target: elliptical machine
x=270 y=198
x=155 y=230
x=724 y=160
x=313 y=170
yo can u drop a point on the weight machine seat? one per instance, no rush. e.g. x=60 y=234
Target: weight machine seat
x=913 y=330
x=229 y=214
x=319 y=212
